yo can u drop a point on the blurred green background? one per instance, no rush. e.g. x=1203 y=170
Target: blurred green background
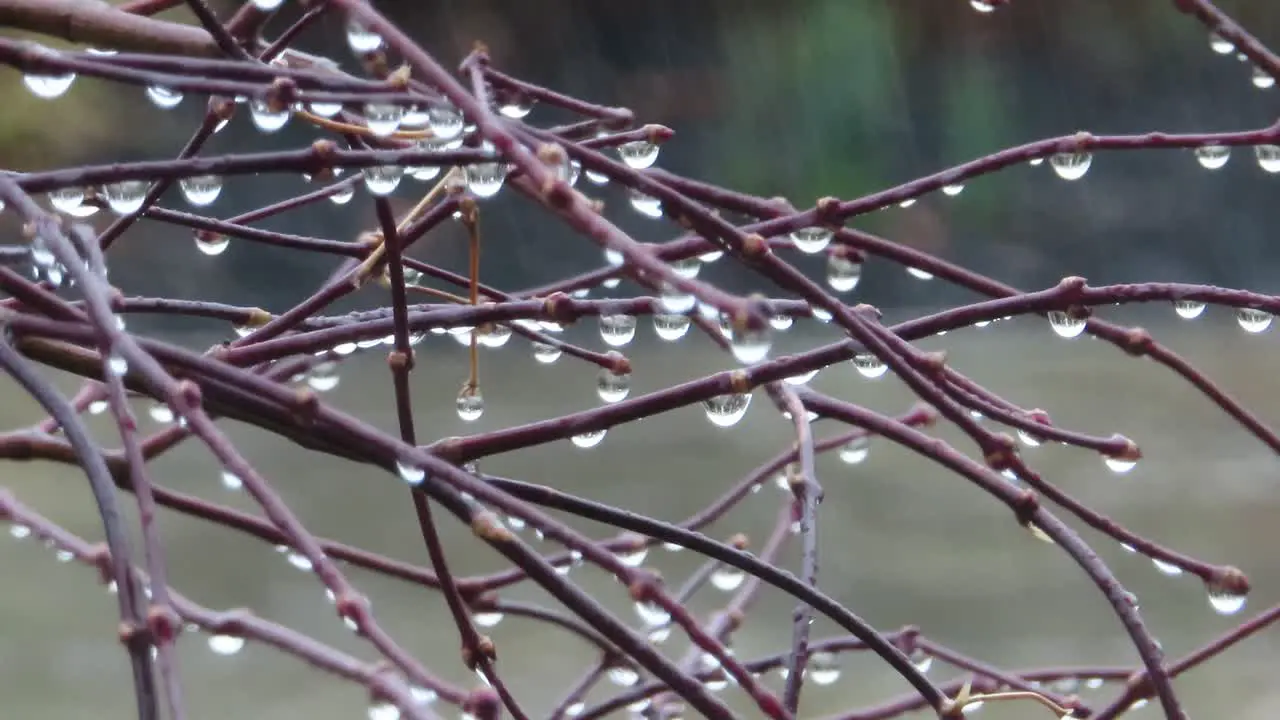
x=803 y=99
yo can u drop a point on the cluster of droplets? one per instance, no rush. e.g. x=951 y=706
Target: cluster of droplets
x=1260 y=78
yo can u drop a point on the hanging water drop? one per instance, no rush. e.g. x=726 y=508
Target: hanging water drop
x=97 y=407
x=843 y=274
x=617 y=330
x=727 y=578
x=545 y=354
x=824 y=667
x=231 y=481
x=160 y=413
x=952 y=190
x=588 y=439
x=856 y=450
x=48 y=87
x=484 y=180
x=1226 y=602
x=1188 y=309
x=982 y=6
x=921 y=660
x=445 y=121
x=596 y=178
x=670 y=327
x=410 y=473
x=726 y=410
x=869 y=366
x=623 y=676
x=361 y=39
x=125 y=197
x=1065 y=325
x=299 y=561
x=1212 y=157
x=225 y=644
x=1262 y=79
x=117 y=365
x=1219 y=44
x=1119 y=465
x=801 y=379
x=1268 y=157
x=343 y=196
x=1253 y=320
x=750 y=346
x=613 y=387
x=709 y=257
x=811 y=240
x=163 y=97
x=646 y=205
x=781 y=323
x=384 y=711
x=639 y=154
x=1166 y=568
x=907 y=203
x=19 y=532
x=470 y=404
x=687 y=268
x=382 y=179
x=383 y=119
x=675 y=301
x=652 y=613
x=487 y=619
x=325 y=109
x=919 y=274
x=323 y=377
x=201 y=190
x=494 y=336
x=266 y=118
x=1071 y=165
x=66 y=199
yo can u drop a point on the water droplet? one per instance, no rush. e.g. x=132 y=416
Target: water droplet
x=1119 y=465
x=484 y=180
x=675 y=301
x=384 y=711
x=633 y=558
x=410 y=473
x=1071 y=165
x=646 y=205
x=869 y=366
x=670 y=327
x=843 y=274
x=1166 y=568
x=1253 y=320
x=781 y=322
x=161 y=413
x=343 y=196
x=445 y=121
x=382 y=179
x=1065 y=325
x=18 y=531
x=726 y=410
x=856 y=450
x=801 y=379
x=125 y=197
x=921 y=659
x=596 y=178
x=613 y=387
x=325 y=109
x=361 y=39
x=225 y=644
x=470 y=404
x=639 y=154
x=1225 y=602
x=494 y=336
x=617 y=330
x=545 y=354
x=383 y=119
x=487 y=619
x=1188 y=309
x=575 y=709
x=1268 y=157
x=588 y=439
x=811 y=240
x=1262 y=79
x=66 y=199
x=231 y=481
x=48 y=87
x=323 y=377
x=1094 y=683
x=952 y=190
x=824 y=668
x=117 y=365
x=687 y=268
x=982 y=6
x=919 y=274
x=163 y=97
x=710 y=257
x=1219 y=44
x=97 y=407
x=267 y=119
x=623 y=676
x=300 y=561
x=727 y=578
x=201 y=190
x=1212 y=157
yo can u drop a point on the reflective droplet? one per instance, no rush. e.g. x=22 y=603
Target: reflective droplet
x=545 y=354
x=470 y=404
x=343 y=196
x=919 y=274
x=802 y=378
x=596 y=178
x=384 y=711
x=323 y=377
x=921 y=659
x=1118 y=465
x=1065 y=325
x=1253 y=320
x=869 y=366
x=1225 y=602
x=66 y=199
x=670 y=327
x=487 y=619
x=515 y=106
x=125 y=197
x=952 y=190
x=633 y=558
x=811 y=240
x=445 y=121
x=231 y=481
x=1262 y=79
x=163 y=97
x=225 y=644
x=1188 y=309
x=652 y=613
x=843 y=274
x=727 y=578
x=1268 y=157
x=687 y=268
x=325 y=109
x=410 y=473
x=117 y=365
x=675 y=301
x=299 y=561
x=48 y=87
x=781 y=322
x=1212 y=157
x=623 y=676
x=639 y=154
x=361 y=39
x=494 y=336
x=726 y=410
x=588 y=439
x=97 y=407
x=750 y=346
x=575 y=709
x=267 y=119
x=201 y=190
x=824 y=668
x=382 y=179
x=856 y=450
x=1220 y=45
x=617 y=330
x=484 y=180
x=710 y=257
x=1166 y=568
x=613 y=387
x=19 y=531
x=646 y=205
x=1071 y=165
x=161 y=413
x=383 y=119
